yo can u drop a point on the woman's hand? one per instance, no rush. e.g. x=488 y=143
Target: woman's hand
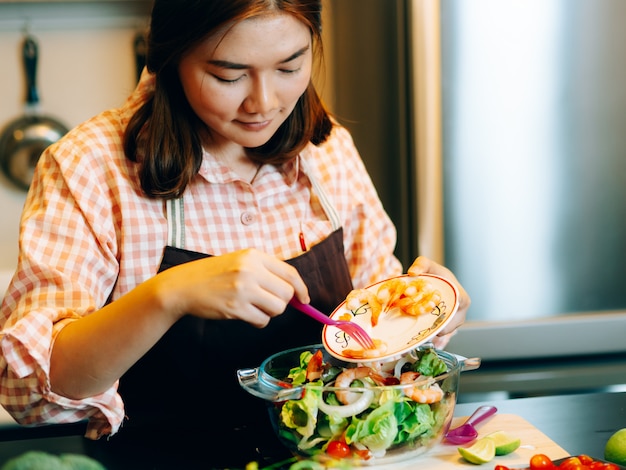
x=425 y=265
x=90 y=354
x=248 y=285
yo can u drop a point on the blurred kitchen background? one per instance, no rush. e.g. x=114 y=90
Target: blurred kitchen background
x=493 y=130
x=86 y=64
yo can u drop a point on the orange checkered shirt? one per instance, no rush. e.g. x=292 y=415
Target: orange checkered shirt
x=88 y=235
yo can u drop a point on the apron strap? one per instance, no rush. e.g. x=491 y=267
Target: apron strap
x=327 y=206
x=175 y=222
x=176 y=211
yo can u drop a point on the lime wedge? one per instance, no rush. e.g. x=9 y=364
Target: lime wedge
x=505 y=443
x=482 y=451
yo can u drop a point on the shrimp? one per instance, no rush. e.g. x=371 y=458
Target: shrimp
x=348 y=376
x=389 y=292
x=357 y=298
x=416 y=297
x=419 y=298
x=431 y=393
x=380 y=348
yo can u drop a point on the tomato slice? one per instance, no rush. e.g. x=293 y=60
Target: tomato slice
x=314 y=367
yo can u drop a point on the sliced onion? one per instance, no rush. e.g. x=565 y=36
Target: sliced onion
x=397 y=371
x=305 y=444
x=345 y=411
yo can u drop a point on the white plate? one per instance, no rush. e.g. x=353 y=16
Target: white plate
x=398 y=332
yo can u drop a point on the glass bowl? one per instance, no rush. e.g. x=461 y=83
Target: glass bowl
x=358 y=413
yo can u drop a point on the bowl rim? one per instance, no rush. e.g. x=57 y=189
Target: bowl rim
x=452 y=360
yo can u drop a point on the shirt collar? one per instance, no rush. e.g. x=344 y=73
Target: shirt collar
x=214 y=171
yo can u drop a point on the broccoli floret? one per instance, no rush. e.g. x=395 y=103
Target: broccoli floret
x=80 y=462
x=38 y=460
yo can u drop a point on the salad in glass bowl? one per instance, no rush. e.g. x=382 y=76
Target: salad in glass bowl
x=367 y=413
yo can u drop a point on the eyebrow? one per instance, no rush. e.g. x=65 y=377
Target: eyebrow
x=225 y=64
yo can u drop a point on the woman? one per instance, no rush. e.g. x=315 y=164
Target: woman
x=153 y=237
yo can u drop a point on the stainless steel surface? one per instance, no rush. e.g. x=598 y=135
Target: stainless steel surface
x=534 y=113
x=528 y=103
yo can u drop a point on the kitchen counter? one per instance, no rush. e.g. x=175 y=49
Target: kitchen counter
x=579 y=424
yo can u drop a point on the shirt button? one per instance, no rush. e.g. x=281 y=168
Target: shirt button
x=247 y=218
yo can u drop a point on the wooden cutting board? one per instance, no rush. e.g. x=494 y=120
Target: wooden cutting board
x=446 y=456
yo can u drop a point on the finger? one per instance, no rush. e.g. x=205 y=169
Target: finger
x=423 y=265
x=292 y=283
x=442 y=340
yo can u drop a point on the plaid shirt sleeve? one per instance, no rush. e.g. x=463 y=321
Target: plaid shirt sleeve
x=68 y=267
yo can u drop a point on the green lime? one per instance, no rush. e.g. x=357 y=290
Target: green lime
x=482 y=451
x=505 y=443
x=615 y=449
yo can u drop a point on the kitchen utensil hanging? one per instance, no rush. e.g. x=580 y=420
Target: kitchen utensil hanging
x=23 y=140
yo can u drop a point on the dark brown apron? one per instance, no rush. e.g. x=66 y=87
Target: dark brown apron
x=183 y=396
x=192 y=369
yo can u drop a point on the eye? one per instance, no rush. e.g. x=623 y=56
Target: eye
x=288 y=71
x=228 y=80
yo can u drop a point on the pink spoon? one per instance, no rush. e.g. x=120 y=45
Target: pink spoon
x=466 y=432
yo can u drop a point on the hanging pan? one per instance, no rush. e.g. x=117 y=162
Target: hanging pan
x=23 y=140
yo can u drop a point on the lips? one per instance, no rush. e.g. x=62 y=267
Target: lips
x=255 y=126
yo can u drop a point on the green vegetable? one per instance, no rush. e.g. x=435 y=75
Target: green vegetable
x=429 y=363
x=298 y=374
x=37 y=460
x=389 y=419
x=418 y=419
x=377 y=431
x=330 y=426
x=301 y=415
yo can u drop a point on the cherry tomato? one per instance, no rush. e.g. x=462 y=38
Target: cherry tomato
x=501 y=467
x=585 y=459
x=541 y=462
x=571 y=463
x=338 y=449
x=610 y=466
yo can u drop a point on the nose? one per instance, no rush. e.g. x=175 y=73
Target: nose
x=261 y=97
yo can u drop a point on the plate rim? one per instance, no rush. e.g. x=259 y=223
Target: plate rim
x=397 y=354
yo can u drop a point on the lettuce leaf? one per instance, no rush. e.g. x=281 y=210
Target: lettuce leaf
x=415 y=420
x=298 y=374
x=301 y=414
x=377 y=430
x=429 y=363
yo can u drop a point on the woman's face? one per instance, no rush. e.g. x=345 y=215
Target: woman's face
x=243 y=84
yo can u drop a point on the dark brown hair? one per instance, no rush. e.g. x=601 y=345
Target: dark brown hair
x=163 y=135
